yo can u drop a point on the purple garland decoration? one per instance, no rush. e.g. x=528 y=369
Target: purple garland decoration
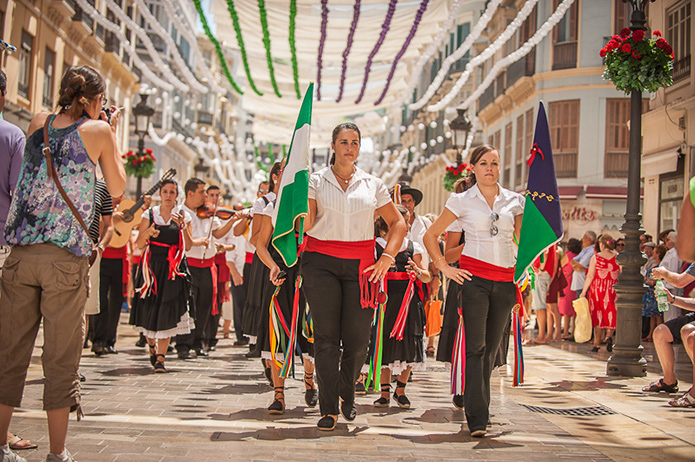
x=413 y=30
x=384 y=29
x=324 y=23
x=353 y=26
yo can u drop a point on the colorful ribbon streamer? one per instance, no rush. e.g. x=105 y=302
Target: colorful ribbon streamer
x=293 y=47
x=378 y=320
x=411 y=34
x=518 y=353
x=218 y=49
x=242 y=48
x=266 y=42
x=399 y=325
x=292 y=342
x=458 y=359
x=384 y=29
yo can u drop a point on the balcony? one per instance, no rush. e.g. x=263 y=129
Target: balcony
x=564 y=55
x=486 y=98
x=81 y=16
x=205 y=118
x=525 y=67
x=500 y=84
x=681 y=69
x=111 y=43
x=615 y=165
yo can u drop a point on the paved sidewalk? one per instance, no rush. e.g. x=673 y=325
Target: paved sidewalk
x=214 y=409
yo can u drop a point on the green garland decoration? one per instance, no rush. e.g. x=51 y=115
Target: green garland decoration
x=284 y=152
x=293 y=47
x=240 y=41
x=218 y=49
x=266 y=43
x=258 y=159
x=271 y=156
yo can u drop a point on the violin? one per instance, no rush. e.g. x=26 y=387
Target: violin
x=208 y=210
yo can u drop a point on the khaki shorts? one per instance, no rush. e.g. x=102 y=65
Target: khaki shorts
x=42 y=281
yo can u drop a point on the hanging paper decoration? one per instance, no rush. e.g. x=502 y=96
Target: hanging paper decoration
x=443 y=72
x=409 y=38
x=242 y=48
x=322 y=42
x=384 y=29
x=351 y=35
x=218 y=48
x=293 y=47
x=266 y=42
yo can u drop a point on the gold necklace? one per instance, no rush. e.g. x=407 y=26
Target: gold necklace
x=346 y=180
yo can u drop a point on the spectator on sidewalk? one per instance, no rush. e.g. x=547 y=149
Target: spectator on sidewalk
x=672 y=263
x=574 y=247
x=580 y=263
x=650 y=308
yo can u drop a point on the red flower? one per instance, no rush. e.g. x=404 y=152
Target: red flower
x=673 y=56
x=469 y=169
x=636 y=55
x=626 y=48
x=142 y=158
x=661 y=43
x=152 y=156
x=148 y=151
x=464 y=165
x=638 y=35
x=625 y=32
x=123 y=156
x=135 y=162
x=602 y=53
x=657 y=33
x=668 y=49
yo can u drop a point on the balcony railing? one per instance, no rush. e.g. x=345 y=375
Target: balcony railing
x=681 y=69
x=111 y=43
x=500 y=84
x=178 y=128
x=205 y=118
x=564 y=55
x=615 y=165
x=525 y=67
x=81 y=16
x=487 y=97
x=566 y=165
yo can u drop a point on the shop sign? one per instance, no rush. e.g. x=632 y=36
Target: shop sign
x=579 y=214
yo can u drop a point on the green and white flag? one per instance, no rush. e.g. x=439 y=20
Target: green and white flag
x=292 y=203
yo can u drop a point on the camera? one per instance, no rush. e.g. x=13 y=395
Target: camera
x=107 y=111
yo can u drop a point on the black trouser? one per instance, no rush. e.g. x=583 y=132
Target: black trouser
x=487 y=307
x=331 y=286
x=201 y=309
x=110 y=301
x=238 y=302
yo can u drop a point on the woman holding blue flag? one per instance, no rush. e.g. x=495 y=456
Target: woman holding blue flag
x=286 y=308
x=340 y=274
x=491 y=219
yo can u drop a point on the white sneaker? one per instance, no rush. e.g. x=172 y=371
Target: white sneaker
x=57 y=458
x=10 y=456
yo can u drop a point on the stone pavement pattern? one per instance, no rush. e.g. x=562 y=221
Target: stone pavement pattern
x=215 y=409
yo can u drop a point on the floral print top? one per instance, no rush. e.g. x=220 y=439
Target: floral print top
x=38 y=213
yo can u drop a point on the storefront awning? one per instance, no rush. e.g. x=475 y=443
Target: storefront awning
x=665 y=161
x=608 y=192
x=569 y=193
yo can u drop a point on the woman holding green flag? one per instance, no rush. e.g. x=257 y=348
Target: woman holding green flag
x=491 y=218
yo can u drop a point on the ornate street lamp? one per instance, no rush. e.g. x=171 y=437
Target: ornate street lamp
x=461 y=126
x=142 y=113
x=627 y=358
x=200 y=168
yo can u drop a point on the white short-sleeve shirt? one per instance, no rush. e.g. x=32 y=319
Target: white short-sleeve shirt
x=346 y=215
x=157 y=216
x=476 y=219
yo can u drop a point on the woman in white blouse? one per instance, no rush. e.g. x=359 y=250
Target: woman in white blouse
x=339 y=270
x=491 y=218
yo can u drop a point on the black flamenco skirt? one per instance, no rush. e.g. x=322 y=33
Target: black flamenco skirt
x=258 y=284
x=163 y=314
x=285 y=299
x=397 y=355
x=450 y=322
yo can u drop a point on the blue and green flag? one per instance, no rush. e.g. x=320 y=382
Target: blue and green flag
x=541 y=225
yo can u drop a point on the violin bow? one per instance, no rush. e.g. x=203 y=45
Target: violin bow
x=212 y=222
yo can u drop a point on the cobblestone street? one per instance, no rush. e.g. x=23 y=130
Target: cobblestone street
x=215 y=409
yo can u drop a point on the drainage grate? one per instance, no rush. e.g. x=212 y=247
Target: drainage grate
x=576 y=411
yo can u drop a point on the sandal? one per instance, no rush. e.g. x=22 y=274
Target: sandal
x=384 y=401
x=159 y=364
x=153 y=353
x=683 y=401
x=430 y=351
x=660 y=385
x=327 y=423
x=14 y=441
x=360 y=389
x=402 y=401
x=311 y=395
x=278 y=405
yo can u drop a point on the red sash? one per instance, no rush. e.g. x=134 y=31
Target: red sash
x=357 y=250
x=249 y=257
x=207 y=263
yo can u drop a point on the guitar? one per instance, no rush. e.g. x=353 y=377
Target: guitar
x=132 y=213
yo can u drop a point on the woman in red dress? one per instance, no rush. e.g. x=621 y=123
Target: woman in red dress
x=601 y=277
